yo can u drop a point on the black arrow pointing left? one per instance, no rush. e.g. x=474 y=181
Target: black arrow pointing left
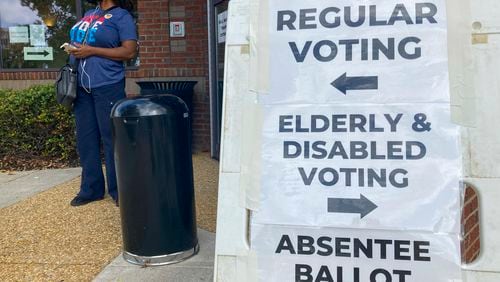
x=363 y=206
x=44 y=53
x=344 y=83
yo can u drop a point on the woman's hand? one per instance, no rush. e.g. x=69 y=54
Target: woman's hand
x=127 y=51
x=82 y=51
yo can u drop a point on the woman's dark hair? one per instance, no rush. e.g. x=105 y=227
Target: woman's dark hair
x=126 y=4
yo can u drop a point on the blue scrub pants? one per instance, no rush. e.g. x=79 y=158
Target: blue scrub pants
x=93 y=125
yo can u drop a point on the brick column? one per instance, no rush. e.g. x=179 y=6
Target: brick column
x=471 y=243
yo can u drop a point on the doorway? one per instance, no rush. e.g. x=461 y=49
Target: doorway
x=217 y=15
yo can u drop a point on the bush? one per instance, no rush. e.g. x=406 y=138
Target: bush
x=34 y=126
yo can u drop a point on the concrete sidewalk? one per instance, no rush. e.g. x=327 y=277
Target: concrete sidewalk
x=19 y=186
x=197 y=268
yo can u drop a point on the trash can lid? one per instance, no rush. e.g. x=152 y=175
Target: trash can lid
x=154 y=105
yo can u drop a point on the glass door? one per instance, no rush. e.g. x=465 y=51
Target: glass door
x=217 y=40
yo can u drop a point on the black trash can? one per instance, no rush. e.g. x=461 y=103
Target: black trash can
x=155 y=179
x=181 y=89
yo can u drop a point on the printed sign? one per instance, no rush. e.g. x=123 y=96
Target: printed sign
x=18 y=34
x=37 y=35
x=38 y=54
x=358 y=148
x=221 y=27
x=345 y=255
x=358 y=51
x=361 y=166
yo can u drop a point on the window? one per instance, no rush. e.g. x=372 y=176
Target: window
x=31 y=32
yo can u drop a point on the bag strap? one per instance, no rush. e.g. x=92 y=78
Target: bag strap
x=87 y=32
x=75 y=66
x=90 y=26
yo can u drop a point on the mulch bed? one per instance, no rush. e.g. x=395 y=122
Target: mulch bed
x=17 y=163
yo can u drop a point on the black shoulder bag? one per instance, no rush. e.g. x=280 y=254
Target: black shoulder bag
x=66 y=82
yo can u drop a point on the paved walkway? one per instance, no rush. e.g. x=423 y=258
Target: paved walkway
x=17 y=186
x=197 y=268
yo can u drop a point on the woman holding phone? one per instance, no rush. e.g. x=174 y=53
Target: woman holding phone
x=104 y=38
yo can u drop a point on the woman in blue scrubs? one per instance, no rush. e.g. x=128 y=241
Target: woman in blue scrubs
x=104 y=38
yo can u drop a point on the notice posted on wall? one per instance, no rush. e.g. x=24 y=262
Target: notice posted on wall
x=221 y=27
x=37 y=35
x=38 y=53
x=18 y=34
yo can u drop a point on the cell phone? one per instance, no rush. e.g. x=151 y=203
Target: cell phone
x=66 y=47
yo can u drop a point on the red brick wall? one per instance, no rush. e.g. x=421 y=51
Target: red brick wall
x=471 y=243
x=165 y=57
x=162 y=56
x=24 y=75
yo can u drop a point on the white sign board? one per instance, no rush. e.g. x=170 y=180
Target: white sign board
x=37 y=35
x=18 y=34
x=38 y=53
x=357 y=142
x=221 y=27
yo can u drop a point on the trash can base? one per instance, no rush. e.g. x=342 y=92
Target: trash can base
x=160 y=260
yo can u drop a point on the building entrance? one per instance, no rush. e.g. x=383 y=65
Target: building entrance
x=217 y=40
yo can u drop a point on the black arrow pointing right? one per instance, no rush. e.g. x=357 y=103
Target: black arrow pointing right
x=44 y=53
x=363 y=206
x=345 y=83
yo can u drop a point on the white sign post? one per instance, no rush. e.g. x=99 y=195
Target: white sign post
x=360 y=161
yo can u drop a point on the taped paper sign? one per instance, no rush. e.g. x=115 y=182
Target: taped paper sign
x=343 y=255
x=397 y=48
x=221 y=27
x=361 y=166
x=37 y=35
x=38 y=53
x=18 y=34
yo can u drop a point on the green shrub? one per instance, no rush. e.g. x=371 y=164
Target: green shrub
x=33 y=125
